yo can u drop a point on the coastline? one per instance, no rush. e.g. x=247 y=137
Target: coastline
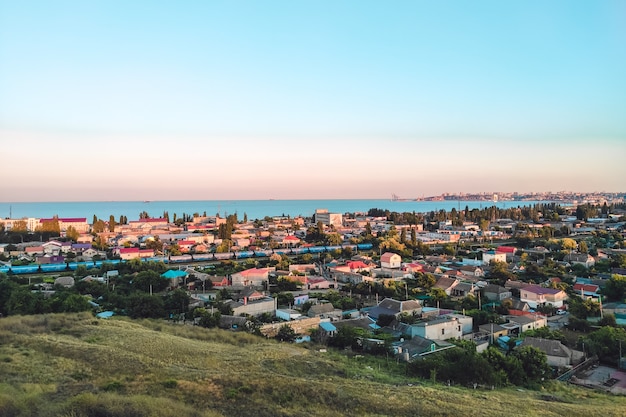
x=254 y=209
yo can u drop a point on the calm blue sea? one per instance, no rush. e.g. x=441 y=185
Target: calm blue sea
x=255 y=209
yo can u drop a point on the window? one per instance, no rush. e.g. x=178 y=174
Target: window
x=443 y=331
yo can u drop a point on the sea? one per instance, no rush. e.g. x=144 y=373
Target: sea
x=254 y=209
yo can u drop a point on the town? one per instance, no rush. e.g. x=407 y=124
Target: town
x=544 y=285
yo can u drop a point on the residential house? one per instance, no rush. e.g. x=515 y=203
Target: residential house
x=218 y=281
x=34 y=250
x=299 y=299
x=356 y=267
x=581 y=259
x=517 y=307
x=463 y=289
x=91 y=252
x=290 y=241
x=527 y=322
x=489 y=256
x=435 y=270
x=454 y=273
x=185 y=246
x=587 y=291
x=324 y=310
x=133 y=253
x=53 y=247
x=392 y=307
x=287 y=314
x=80 y=248
x=413 y=268
x=558 y=355
x=496 y=293
x=390 y=260
x=536 y=296
x=438 y=328
x=447 y=284
x=494 y=330
x=416 y=347
x=258 y=277
x=326 y=330
x=467 y=322
x=509 y=251
x=252 y=302
x=472 y=271
x=317 y=283
x=174 y=276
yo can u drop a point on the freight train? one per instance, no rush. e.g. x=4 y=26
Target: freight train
x=175 y=259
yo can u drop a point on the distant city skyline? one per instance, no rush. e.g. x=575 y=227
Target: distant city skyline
x=104 y=101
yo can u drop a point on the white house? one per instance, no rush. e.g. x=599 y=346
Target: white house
x=493 y=256
x=390 y=260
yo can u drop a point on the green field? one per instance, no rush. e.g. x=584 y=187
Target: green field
x=76 y=365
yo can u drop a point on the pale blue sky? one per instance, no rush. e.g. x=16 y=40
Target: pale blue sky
x=310 y=99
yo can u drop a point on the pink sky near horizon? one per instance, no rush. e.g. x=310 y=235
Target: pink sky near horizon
x=95 y=167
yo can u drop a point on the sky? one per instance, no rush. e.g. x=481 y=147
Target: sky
x=154 y=100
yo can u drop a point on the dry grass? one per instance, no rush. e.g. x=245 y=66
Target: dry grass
x=75 y=365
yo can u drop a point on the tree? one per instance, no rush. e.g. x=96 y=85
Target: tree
x=286 y=333
x=177 y=302
x=207 y=319
x=111 y=223
x=605 y=343
x=334 y=239
x=98 y=226
x=285 y=299
x=615 y=288
x=150 y=281
x=145 y=306
x=534 y=363
x=568 y=244
x=75 y=303
x=72 y=234
x=19 y=226
x=500 y=273
x=155 y=244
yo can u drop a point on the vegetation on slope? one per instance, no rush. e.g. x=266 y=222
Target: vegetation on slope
x=76 y=365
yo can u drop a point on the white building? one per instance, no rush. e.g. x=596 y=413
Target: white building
x=390 y=260
x=328 y=219
x=493 y=256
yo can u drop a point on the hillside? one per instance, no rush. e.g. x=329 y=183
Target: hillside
x=76 y=365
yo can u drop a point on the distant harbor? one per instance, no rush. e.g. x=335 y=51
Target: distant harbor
x=254 y=209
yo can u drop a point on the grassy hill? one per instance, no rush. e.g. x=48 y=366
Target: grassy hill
x=76 y=365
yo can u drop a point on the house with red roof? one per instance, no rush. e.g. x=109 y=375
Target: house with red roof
x=290 y=241
x=132 y=253
x=185 y=245
x=413 y=268
x=587 y=291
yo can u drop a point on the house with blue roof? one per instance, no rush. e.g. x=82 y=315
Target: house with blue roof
x=174 y=276
x=326 y=331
